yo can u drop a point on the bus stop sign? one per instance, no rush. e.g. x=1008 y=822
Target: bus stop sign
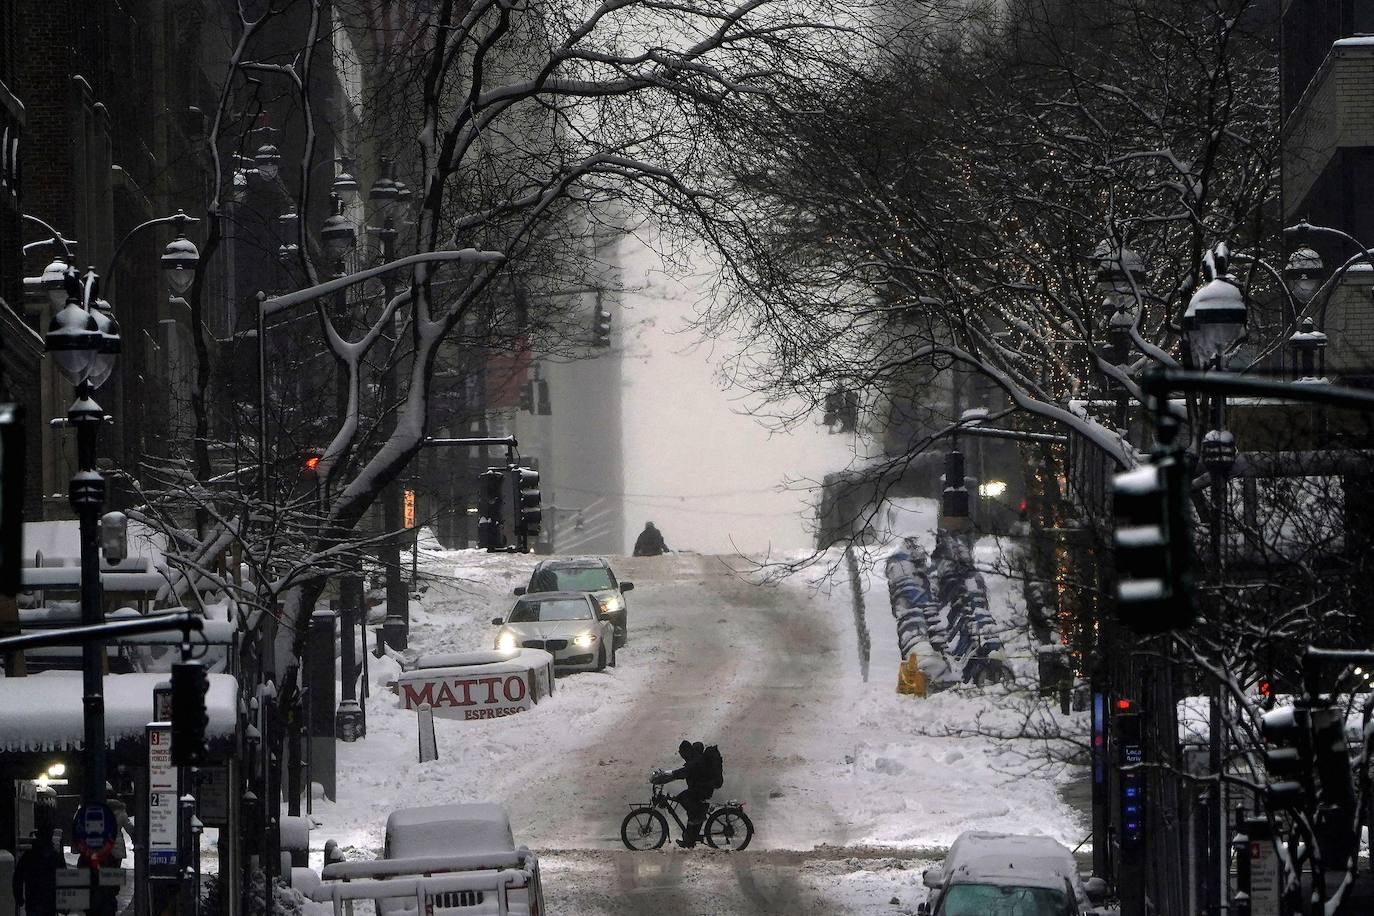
x=93 y=831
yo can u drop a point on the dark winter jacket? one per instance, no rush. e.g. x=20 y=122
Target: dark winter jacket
x=650 y=542
x=695 y=772
x=35 y=878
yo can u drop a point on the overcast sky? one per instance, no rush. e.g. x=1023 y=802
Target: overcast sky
x=706 y=474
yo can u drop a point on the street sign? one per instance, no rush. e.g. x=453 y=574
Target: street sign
x=212 y=796
x=74 y=887
x=1264 y=879
x=163 y=791
x=93 y=831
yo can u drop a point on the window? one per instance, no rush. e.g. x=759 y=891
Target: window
x=558 y=609
x=1004 y=900
x=584 y=579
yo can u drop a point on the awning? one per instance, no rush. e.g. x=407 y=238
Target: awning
x=43 y=712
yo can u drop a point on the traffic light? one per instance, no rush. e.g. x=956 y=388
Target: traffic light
x=189 y=719
x=529 y=515
x=1335 y=785
x=601 y=325
x=1153 y=547
x=1287 y=757
x=490 y=533
x=310 y=462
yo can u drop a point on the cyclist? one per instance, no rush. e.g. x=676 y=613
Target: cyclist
x=697 y=770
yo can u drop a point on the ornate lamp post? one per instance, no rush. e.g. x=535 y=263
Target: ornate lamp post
x=84 y=339
x=1213 y=323
x=384 y=196
x=338 y=238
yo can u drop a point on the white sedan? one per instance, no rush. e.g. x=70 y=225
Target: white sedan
x=567 y=625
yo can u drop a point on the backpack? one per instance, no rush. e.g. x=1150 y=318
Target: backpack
x=713 y=766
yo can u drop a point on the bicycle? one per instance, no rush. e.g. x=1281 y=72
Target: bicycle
x=644 y=828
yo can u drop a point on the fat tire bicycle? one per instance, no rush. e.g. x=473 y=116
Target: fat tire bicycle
x=645 y=828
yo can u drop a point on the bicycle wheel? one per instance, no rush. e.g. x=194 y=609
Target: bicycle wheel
x=729 y=828
x=643 y=829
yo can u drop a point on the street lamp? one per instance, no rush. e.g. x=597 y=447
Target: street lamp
x=1303 y=274
x=179 y=262
x=338 y=236
x=268 y=161
x=54 y=282
x=1216 y=315
x=1120 y=272
x=384 y=193
x=345 y=187
x=84 y=339
x=1308 y=345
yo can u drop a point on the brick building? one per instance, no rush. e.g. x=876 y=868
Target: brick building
x=1327 y=103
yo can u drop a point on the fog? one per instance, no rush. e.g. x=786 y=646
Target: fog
x=712 y=478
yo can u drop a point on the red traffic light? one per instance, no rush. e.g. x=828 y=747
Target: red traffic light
x=312 y=462
x=1124 y=705
x=1266 y=689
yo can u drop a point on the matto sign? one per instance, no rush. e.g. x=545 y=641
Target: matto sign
x=474 y=686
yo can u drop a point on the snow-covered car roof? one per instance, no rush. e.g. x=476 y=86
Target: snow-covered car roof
x=1005 y=858
x=436 y=829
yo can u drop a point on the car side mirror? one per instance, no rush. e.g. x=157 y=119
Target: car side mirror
x=518 y=591
x=1096 y=889
x=933 y=877
x=627 y=586
x=496 y=621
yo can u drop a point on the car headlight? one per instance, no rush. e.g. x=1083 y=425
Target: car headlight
x=612 y=604
x=585 y=640
x=507 y=642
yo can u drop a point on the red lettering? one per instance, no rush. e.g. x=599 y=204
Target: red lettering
x=415 y=699
x=446 y=697
x=467 y=692
x=519 y=682
x=491 y=683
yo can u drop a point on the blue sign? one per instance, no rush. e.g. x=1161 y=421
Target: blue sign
x=93 y=830
x=162 y=857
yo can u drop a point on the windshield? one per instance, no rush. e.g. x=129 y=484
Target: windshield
x=572 y=579
x=1003 y=900
x=558 y=609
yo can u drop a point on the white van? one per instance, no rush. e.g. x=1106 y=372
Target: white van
x=441 y=860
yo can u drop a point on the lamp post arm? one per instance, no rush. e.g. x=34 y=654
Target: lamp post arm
x=275 y=304
x=178 y=217
x=56 y=239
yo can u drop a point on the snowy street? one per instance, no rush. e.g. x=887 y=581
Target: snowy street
x=849 y=799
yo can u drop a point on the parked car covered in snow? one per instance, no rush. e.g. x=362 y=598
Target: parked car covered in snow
x=987 y=873
x=441 y=860
x=567 y=625
x=585 y=574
